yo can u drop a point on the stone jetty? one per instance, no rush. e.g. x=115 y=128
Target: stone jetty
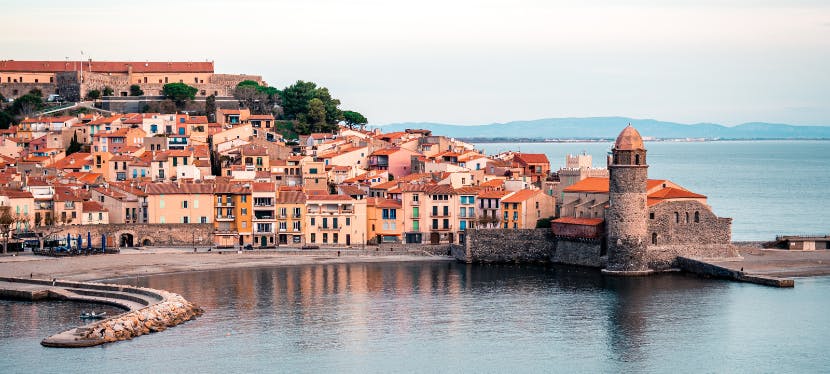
x=148 y=310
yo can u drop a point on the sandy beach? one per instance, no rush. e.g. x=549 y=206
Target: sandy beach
x=160 y=260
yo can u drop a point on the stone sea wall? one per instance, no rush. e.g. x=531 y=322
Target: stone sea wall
x=173 y=310
x=662 y=257
x=499 y=245
x=582 y=252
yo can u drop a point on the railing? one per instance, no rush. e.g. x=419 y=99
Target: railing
x=439 y=214
x=442 y=228
x=415 y=202
x=224 y=204
x=225 y=218
x=330 y=227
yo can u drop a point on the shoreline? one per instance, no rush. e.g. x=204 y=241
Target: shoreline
x=162 y=261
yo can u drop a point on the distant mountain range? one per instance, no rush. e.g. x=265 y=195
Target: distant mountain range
x=609 y=127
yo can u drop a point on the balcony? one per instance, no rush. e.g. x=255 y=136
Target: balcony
x=439 y=214
x=415 y=202
x=441 y=228
x=263 y=204
x=329 y=228
x=225 y=218
x=263 y=218
x=228 y=204
x=225 y=232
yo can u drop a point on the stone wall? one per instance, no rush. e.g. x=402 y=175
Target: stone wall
x=15 y=90
x=581 y=252
x=687 y=222
x=499 y=245
x=664 y=257
x=168 y=234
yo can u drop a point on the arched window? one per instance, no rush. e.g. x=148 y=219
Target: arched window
x=697 y=217
x=676 y=217
x=636 y=159
x=687 y=217
x=654 y=238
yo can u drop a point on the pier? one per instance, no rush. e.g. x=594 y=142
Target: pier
x=146 y=310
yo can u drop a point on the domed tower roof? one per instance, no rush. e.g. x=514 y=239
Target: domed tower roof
x=629 y=140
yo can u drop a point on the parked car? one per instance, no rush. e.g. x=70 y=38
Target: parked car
x=54 y=98
x=248 y=247
x=311 y=246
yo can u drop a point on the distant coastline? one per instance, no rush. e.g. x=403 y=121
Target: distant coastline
x=606 y=140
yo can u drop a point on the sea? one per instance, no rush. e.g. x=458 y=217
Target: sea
x=768 y=188
x=447 y=317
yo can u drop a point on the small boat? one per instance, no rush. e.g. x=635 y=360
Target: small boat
x=93 y=315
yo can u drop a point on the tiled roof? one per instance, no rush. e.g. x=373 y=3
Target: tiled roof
x=263 y=187
x=579 y=221
x=291 y=197
x=531 y=158
x=329 y=197
x=589 y=185
x=520 y=196
x=383 y=203
x=183 y=188
x=492 y=194
x=675 y=193
x=92 y=206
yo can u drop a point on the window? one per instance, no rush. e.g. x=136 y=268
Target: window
x=446 y=223
x=203 y=219
x=697 y=217
x=296 y=226
x=348 y=221
x=325 y=237
x=244 y=211
x=334 y=223
x=334 y=238
x=184 y=204
x=435 y=211
x=462 y=212
x=312 y=221
x=654 y=238
x=313 y=237
x=415 y=212
x=244 y=224
x=676 y=217
x=185 y=219
x=244 y=198
x=651 y=215
x=414 y=197
x=687 y=217
x=446 y=210
x=435 y=224
x=196 y=203
x=325 y=223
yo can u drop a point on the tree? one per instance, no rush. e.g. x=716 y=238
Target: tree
x=210 y=108
x=27 y=104
x=180 y=93
x=107 y=91
x=36 y=92
x=49 y=226
x=135 y=90
x=74 y=145
x=93 y=95
x=353 y=119
x=6 y=120
x=295 y=98
x=543 y=223
x=316 y=114
x=333 y=113
x=259 y=99
x=6 y=221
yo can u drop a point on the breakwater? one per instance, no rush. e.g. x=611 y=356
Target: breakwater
x=148 y=310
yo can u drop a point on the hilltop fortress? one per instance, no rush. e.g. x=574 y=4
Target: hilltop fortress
x=73 y=79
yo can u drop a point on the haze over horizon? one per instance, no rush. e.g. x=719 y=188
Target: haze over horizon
x=476 y=62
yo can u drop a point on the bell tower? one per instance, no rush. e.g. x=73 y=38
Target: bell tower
x=626 y=218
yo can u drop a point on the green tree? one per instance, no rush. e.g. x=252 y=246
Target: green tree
x=93 y=95
x=6 y=221
x=135 y=90
x=6 y=119
x=354 y=119
x=2 y=100
x=295 y=99
x=316 y=114
x=180 y=93
x=36 y=92
x=74 y=145
x=333 y=113
x=543 y=223
x=27 y=104
x=210 y=108
x=107 y=91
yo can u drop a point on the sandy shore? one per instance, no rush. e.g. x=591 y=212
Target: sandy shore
x=158 y=261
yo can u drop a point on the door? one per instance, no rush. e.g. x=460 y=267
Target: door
x=434 y=238
x=348 y=239
x=263 y=242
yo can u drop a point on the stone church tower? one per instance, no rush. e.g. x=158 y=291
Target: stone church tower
x=627 y=216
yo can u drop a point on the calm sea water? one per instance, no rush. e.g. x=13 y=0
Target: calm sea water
x=441 y=317
x=769 y=188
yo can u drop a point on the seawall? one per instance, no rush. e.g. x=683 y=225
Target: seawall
x=148 y=310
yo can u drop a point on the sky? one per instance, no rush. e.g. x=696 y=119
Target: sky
x=474 y=62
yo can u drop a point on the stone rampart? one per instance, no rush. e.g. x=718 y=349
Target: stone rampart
x=500 y=245
x=663 y=257
x=581 y=252
x=168 y=234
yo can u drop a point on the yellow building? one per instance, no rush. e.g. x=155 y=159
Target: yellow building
x=523 y=208
x=290 y=222
x=335 y=220
x=232 y=223
x=384 y=220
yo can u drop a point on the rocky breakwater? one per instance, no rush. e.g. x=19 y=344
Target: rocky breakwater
x=172 y=310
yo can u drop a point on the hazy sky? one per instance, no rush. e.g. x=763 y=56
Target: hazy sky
x=472 y=62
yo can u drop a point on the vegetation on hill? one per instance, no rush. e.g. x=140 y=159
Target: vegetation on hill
x=303 y=106
x=180 y=93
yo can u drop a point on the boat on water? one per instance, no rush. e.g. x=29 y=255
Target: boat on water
x=93 y=315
